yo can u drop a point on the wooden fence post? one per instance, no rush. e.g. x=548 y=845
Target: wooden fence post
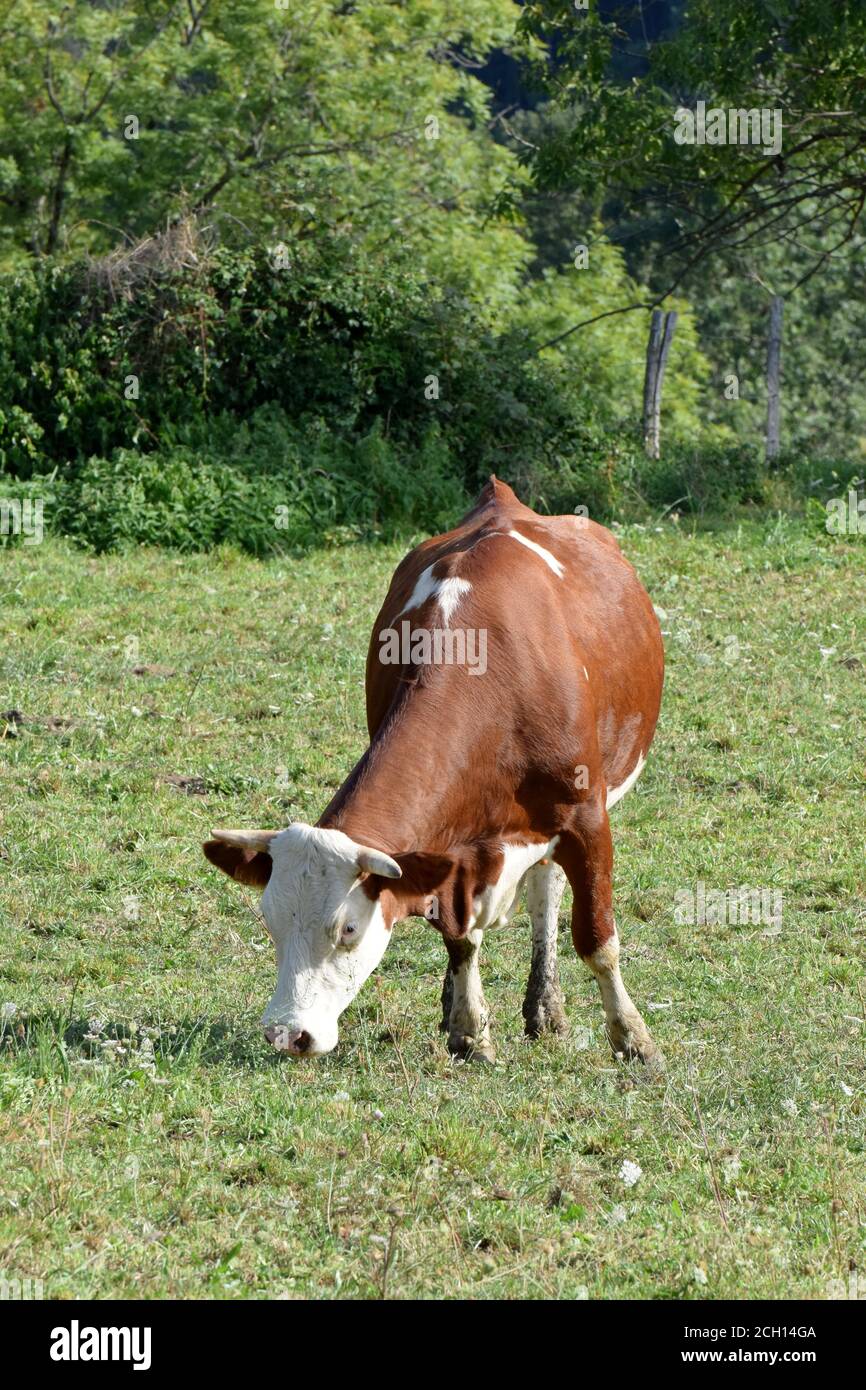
x=652 y=357
x=658 y=347
x=774 y=353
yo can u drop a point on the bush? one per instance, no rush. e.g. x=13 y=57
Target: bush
x=316 y=489
x=164 y=498
x=348 y=395
x=189 y=400
x=28 y=509
x=711 y=478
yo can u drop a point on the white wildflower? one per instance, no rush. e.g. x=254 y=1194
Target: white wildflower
x=630 y=1172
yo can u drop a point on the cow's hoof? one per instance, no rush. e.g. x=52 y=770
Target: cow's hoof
x=467 y=1050
x=632 y=1042
x=544 y=1013
x=654 y=1065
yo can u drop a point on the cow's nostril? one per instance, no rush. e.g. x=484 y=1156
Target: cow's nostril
x=288 y=1040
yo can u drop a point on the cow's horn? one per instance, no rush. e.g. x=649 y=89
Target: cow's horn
x=374 y=861
x=258 y=841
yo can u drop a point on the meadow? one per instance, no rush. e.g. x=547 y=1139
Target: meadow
x=154 y=1146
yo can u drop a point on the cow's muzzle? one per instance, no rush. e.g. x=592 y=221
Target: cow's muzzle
x=284 y=1039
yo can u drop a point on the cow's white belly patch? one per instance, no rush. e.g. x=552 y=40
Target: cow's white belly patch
x=495 y=906
x=616 y=794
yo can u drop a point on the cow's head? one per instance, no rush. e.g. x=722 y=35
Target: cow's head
x=328 y=932
x=327 y=915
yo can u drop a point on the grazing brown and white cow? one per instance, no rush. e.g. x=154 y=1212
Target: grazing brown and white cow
x=513 y=684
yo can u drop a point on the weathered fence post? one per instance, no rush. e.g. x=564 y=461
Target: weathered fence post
x=774 y=353
x=652 y=355
x=657 y=351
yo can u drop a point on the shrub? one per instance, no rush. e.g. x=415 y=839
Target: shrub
x=29 y=509
x=710 y=478
x=276 y=408
x=188 y=500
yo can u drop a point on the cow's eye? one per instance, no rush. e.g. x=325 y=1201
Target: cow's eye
x=349 y=933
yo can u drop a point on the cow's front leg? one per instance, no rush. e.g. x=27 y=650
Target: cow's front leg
x=544 y=1006
x=586 y=854
x=469 y=1021
x=447 y=1000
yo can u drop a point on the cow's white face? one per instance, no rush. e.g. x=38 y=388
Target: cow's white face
x=329 y=935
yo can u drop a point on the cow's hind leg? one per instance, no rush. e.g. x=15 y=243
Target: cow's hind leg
x=544 y=1006
x=468 y=1018
x=627 y=1033
x=586 y=854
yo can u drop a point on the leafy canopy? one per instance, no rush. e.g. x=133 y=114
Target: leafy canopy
x=280 y=122
x=803 y=58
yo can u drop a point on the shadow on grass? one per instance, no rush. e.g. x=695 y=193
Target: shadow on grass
x=49 y=1043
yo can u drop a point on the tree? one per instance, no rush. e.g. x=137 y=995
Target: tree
x=271 y=121
x=630 y=130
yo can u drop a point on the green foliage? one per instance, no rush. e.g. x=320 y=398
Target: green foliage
x=167 y=498
x=277 y=408
x=822 y=368
x=349 y=397
x=277 y=124
x=178 y=498
x=608 y=357
x=107 y=356
x=711 y=478
x=310 y=277
x=728 y=221
x=803 y=57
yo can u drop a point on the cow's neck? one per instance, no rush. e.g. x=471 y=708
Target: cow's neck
x=404 y=792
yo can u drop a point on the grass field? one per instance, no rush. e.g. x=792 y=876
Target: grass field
x=154 y=1146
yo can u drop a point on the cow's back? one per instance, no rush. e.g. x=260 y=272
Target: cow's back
x=574 y=656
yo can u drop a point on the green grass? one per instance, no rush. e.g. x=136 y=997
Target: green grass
x=184 y=1159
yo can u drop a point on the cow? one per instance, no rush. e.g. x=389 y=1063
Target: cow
x=480 y=777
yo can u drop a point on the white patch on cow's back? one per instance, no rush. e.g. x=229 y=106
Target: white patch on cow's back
x=447 y=592
x=550 y=560
x=425 y=587
x=616 y=794
x=495 y=906
x=450 y=593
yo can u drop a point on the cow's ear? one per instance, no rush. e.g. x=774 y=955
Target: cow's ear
x=242 y=854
